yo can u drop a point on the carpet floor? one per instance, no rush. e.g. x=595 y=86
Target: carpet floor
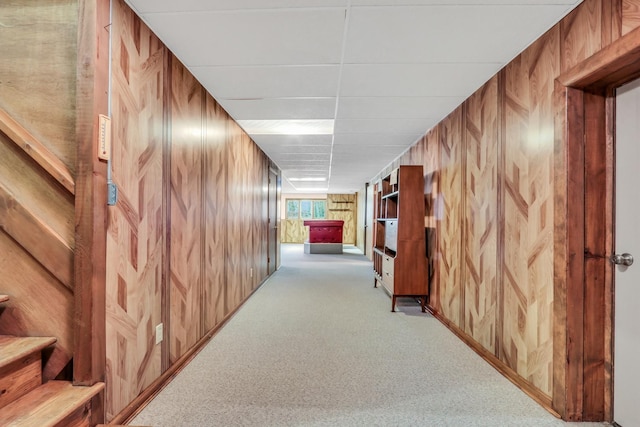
x=317 y=345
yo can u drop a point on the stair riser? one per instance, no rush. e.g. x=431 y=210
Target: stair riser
x=19 y=378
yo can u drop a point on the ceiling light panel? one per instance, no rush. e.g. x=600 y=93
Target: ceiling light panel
x=287 y=127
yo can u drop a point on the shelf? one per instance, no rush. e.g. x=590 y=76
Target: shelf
x=394 y=194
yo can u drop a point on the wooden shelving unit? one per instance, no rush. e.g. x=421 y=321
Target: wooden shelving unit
x=399 y=250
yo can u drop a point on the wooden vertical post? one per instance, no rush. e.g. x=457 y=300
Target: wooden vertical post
x=91 y=194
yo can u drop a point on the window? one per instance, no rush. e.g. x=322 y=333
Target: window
x=293 y=209
x=306 y=209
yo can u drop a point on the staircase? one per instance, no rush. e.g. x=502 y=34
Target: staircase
x=25 y=401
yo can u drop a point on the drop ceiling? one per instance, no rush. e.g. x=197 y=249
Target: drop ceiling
x=334 y=90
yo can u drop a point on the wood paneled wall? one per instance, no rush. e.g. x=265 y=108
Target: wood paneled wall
x=490 y=192
x=344 y=207
x=187 y=239
x=136 y=232
x=38 y=102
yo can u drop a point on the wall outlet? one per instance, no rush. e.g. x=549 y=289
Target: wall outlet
x=251 y=271
x=159 y=333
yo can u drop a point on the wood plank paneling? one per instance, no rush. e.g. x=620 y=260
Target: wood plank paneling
x=136 y=232
x=39 y=42
x=527 y=339
x=186 y=214
x=451 y=238
x=480 y=220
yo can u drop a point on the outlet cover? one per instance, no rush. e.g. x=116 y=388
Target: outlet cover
x=159 y=333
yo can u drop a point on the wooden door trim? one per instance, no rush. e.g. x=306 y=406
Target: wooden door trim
x=584 y=195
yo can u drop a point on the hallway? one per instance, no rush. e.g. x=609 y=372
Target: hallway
x=316 y=345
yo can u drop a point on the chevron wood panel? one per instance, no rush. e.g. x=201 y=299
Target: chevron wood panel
x=236 y=211
x=186 y=210
x=581 y=33
x=246 y=236
x=215 y=197
x=343 y=207
x=481 y=215
x=450 y=237
x=630 y=15
x=38 y=50
x=528 y=211
x=135 y=234
x=431 y=165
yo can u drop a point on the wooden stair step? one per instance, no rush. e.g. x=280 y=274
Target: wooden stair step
x=15 y=348
x=49 y=405
x=4 y=298
x=20 y=366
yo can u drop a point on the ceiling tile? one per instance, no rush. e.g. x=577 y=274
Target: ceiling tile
x=146 y=6
x=375 y=139
x=395 y=107
x=453 y=33
x=256 y=37
x=269 y=82
x=415 y=79
x=379 y=125
x=457 y=2
x=281 y=108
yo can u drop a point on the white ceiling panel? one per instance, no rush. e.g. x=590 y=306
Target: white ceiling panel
x=415 y=79
x=457 y=2
x=375 y=139
x=270 y=82
x=408 y=107
x=453 y=33
x=253 y=37
x=148 y=6
x=379 y=73
x=281 y=108
x=384 y=125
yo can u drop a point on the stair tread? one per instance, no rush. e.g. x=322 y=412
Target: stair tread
x=4 y=298
x=15 y=348
x=48 y=404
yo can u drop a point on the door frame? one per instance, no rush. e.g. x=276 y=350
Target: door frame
x=584 y=238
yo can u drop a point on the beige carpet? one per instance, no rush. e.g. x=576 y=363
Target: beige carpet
x=317 y=345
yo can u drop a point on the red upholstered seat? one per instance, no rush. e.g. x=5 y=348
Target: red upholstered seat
x=325 y=231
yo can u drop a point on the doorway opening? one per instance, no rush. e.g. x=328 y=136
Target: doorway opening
x=584 y=285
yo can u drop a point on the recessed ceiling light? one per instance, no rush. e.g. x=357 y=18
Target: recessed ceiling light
x=287 y=127
x=309 y=179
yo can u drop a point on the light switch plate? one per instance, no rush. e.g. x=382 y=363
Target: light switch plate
x=159 y=333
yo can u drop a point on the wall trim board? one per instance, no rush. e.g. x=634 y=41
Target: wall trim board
x=587 y=116
x=147 y=395
x=165 y=310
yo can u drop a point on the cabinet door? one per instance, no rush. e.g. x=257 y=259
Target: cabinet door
x=388 y=263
